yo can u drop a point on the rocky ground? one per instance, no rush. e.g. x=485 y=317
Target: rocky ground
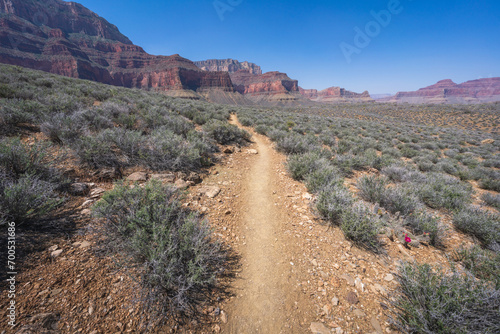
x=298 y=274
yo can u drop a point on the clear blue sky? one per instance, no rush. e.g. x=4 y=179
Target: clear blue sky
x=425 y=40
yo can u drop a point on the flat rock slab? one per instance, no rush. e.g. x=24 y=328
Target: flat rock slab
x=138 y=177
x=319 y=328
x=209 y=191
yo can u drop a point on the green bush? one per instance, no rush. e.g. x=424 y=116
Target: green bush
x=225 y=133
x=430 y=301
x=484 y=264
x=333 y=199
x=361 y=226
x=421 y=222
x=18 y=159
x=400 y=199
x=26 y=198
x=443 y=191
x=301 y=165
x=372 y=188
x=181 y=260
x=481 y=224
x=491 y=199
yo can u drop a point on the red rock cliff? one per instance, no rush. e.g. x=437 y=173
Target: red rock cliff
x=446 y=91
x=68 y=39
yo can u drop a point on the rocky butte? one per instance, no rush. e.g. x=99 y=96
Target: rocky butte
x=228 y=65
x=335 y=95
x=446 y=91
x=66 y=38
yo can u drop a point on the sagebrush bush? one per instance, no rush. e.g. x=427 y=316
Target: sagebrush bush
x=422 y=222
x=325 y=174
x=225 y=133
x=400 y=199
x=484 y=264
x=179 y=257
x=27 y=197
x=372 y=188
x=18 y=159
x=360 y=225
x=301 y=165
x=97 y=152
x=333 y=199
x=491 y=199
x=443 y=191
x=293 y=143
x=483 y=225
x=431 y=301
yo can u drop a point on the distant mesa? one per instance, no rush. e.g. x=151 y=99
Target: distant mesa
x=228 y=65
x=446 y=91
x=335 y=95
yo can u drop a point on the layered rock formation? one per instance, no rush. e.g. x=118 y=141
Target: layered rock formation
x=446 y=91
x=68 y=39
x=335 y=95
x=228 y=65
x=270 y=87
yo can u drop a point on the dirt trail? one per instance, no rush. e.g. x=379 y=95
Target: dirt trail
x=261 y=296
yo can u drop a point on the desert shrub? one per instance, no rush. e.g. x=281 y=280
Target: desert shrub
x=422 y=222
x=360 y=225
x=91 y=118
x=300 y=165
x=431 y=301
x=262 y=129
x=27 y=197
x=442 y=191
x=63 y=128
x=484 y=264
x=325 y=174
x=491 y=199
x=18 y=159
x=483 y=225
x=245 y=121
x=400 y=199
x=447 y=167
x=372 y=188
x=408 y=152
x=393 y=152
x=167 y=151
x=292 y=143
x=130 y=142
x=97 y=152
x=395 y=173
x=490 y=183
x=224 y=133
x=175 y=247
x=14 y=112
x=347 y=163
x=333 y=199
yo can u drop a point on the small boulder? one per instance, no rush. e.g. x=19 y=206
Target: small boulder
x=56 y=253
x=352 y=298
x=181 y=184
x=487 y=141
x=209 y=191
x=79 y=189
x=138 y=177
x=193 y=177
x=228 y=150
x=252 y=151
x=319 y=328
x=167 y=178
